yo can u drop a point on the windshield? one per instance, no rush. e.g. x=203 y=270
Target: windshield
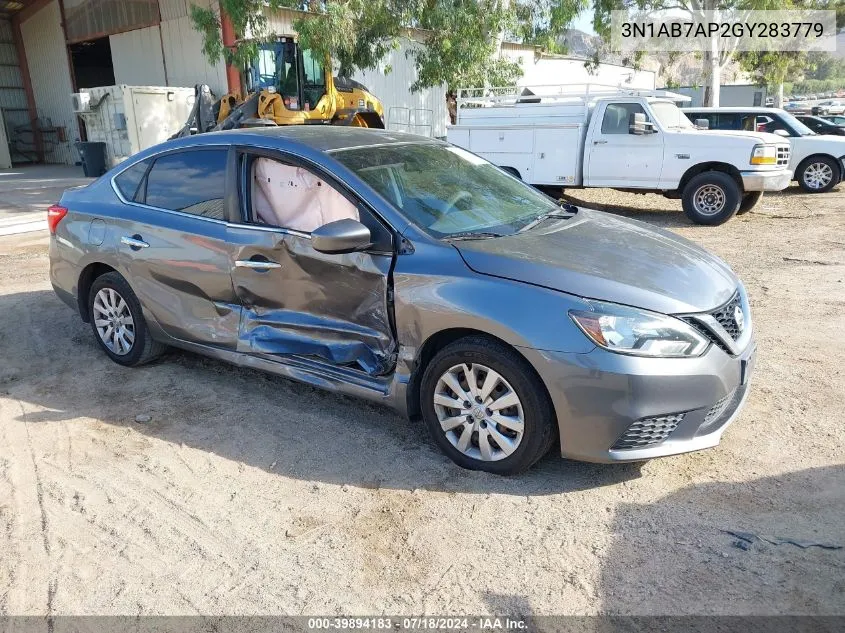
x=447 y=190
x=796 y=125
x=669 y=115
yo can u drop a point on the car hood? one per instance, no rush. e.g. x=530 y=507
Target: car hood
x=601 y=256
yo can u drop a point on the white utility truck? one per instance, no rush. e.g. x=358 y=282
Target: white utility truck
x=634 y=140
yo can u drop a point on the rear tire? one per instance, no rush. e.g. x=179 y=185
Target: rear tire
x=502 y=427
x=818 y=174
x=749 y=201
x=117 y=321
x=711 y=198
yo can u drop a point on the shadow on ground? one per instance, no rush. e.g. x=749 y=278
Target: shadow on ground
x=52 y=363
x=699 y=568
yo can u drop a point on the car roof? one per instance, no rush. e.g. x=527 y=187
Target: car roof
x=320 y=137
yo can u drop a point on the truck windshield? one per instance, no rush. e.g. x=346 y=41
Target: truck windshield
x=446 y=190
x=669 y=115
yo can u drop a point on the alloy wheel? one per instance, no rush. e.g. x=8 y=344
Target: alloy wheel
x=479 y=412
x=818 y=175
x=114 y=321
x=709 y=200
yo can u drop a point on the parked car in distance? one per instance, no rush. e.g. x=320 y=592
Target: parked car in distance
x=828 y=107
x=796 y=107
x=817 y=162
x=632 y=140
x=821 y=126
x=836 y=119
x=411 y=272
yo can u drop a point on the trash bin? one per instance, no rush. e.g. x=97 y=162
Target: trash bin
x=93 y=157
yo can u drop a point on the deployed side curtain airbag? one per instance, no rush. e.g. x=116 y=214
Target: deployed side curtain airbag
x=294 y=198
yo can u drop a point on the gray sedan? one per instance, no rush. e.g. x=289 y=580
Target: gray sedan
x=411 y=272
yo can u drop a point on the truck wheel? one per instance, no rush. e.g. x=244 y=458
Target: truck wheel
x=818 y=174
x=711 y=198
x=749 y=201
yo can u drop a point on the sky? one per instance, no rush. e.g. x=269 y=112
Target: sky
x=584 y=22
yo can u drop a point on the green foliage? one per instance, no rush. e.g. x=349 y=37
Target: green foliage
x=461 y=45
x=542 y=22
x=460 y=48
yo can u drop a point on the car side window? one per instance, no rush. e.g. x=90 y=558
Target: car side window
x=618 y=116
x=292 y=197
x=128 y=181
x=192 y=182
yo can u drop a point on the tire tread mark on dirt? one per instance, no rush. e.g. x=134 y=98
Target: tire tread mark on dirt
x=52 y=586
x=39 y=487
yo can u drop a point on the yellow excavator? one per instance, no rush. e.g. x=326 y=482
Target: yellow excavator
x=286 y=85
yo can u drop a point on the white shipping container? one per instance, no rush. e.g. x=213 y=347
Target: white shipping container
x=129 y=119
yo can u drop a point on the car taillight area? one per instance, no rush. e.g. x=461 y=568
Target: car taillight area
x=54 y=215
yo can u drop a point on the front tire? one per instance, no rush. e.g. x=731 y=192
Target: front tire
x=711 y=198
x=485 y=407
x=818 y=174
x=749 y=201
x=118 y=322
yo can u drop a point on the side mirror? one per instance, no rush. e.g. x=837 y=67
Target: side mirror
x=781 y=132
x=341 y=236
x=704 y=124
x=638 y=125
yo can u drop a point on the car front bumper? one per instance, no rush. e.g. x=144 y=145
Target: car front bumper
x=601 y=396
x=775 y=180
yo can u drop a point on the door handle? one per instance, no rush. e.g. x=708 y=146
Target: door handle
x=135 y=242
x=599 y=142
x=256 y=264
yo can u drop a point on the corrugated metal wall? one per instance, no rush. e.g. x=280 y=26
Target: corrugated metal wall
x=12 y=95
x=137 y=58
x=183 y=58
x=422 y=112
x=46 y=55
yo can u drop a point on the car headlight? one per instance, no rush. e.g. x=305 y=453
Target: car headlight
x=764 y=155
x=638 y=332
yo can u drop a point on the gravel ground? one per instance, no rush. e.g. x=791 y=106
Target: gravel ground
x=250 y=494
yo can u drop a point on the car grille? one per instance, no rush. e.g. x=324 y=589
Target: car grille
x=648 y=431
x=783 y=154
x=725 y=318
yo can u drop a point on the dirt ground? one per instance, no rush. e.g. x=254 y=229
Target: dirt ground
x=250 y=494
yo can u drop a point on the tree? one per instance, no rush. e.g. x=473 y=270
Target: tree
x=770 y=68
x=719 y=52
x=459 y=50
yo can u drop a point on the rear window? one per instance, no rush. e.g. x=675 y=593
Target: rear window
x=128 y=181
x=192 y=182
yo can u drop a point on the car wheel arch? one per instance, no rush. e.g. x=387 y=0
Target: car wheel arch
x=434 y=344
x=83 y=287
x=813 y=157
x=695 y=170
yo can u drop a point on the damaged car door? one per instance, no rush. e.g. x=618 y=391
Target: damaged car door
x=297 y=301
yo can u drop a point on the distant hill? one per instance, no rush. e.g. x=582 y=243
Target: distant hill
x=683 y=70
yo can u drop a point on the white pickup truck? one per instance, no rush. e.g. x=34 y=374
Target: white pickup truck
x=631 y=140
x=817 y=160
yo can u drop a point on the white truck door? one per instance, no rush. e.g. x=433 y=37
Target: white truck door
x=557 y=156
x=615 y=158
